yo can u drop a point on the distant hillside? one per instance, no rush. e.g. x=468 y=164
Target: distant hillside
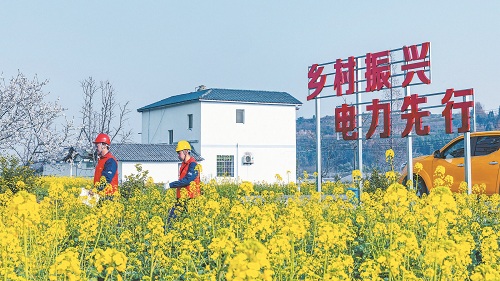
x=339 y=157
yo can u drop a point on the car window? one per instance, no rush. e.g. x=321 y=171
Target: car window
x=486 y=145
x=455 y=150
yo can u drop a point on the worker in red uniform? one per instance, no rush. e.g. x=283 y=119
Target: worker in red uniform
x=106 y=170
x=188 y=185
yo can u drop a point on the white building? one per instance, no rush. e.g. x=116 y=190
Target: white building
x=241 y=134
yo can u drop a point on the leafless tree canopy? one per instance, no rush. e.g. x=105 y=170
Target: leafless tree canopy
x=104 y=115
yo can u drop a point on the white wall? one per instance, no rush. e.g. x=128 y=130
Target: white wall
x=268 y=133
x=156 y=123
x=159 y=171
x=264 y=124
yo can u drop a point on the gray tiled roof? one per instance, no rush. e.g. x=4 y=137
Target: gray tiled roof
x=244 y=96
x=136 y=152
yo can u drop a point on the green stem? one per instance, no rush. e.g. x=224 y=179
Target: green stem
x=82 y=256
x=98 y=235
x=292 y=261
x=437 y=237
x=25 y=239
x=152 y=266
x=325 y=265
x=4 y=270
x=107 y=275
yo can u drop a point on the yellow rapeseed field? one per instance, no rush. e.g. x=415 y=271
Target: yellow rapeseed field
x=241 y=232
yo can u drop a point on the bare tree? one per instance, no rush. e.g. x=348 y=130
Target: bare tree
x=28 y=124
x=106 y=116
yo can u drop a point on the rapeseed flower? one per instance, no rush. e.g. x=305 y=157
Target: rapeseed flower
x=356 y=175
x=390 y=176
x=66 y=266
x=246 y=188
x=418 y=167
x=250 y=262
x=389 y=155
x=109 y=260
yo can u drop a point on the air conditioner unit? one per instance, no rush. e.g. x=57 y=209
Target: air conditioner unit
x=247 y=158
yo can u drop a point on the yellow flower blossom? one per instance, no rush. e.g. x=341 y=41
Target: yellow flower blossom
x=356 y=175
x=418 y=167
x=389 y=155
x=198 y=168
x=66 y=266
x=246 y=188
x=110 y=259
x=439 y=172
x=391 y=176
x=250 y=262
x=278 y=177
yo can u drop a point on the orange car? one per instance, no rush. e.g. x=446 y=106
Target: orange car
x=484 y=163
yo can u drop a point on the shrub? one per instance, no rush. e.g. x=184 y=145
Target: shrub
x=134 y=182
x=376 y=180
x=14 y=176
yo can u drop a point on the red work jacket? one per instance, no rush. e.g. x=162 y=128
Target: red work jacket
x=183 y=170
x=100 y=167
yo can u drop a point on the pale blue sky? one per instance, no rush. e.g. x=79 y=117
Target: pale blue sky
x=150 y=50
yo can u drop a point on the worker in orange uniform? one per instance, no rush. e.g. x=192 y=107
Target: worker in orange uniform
x=106 y=170
x=189 y=177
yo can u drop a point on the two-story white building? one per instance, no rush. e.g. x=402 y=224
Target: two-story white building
x=241 y=134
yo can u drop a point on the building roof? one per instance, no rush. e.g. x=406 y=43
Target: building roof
x=136 y=152
x=226 y=95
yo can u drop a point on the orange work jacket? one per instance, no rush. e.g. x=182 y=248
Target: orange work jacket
x=100 y=167
x=183 y=170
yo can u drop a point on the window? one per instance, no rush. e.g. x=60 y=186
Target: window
x=456 y=150
x=240 y=116
x=225 y=165
x=190 y=121
x=170 y=136
x=486 y=145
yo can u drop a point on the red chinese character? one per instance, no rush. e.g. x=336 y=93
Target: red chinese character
x=378 y=71
x=414 y=116
x=376 y=107
x=317 y=81
x=343 y=77
x=345 y=121
x=464 y=106
x=411 y=54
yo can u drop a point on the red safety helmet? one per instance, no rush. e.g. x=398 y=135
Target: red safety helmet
x=102 y=138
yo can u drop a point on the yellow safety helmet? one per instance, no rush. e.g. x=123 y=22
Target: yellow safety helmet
x=182 y=145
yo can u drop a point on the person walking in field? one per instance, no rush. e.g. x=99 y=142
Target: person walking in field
x=188 y=184
x=106 y=170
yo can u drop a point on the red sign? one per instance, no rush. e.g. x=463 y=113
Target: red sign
x=344 y=77
x=377 y=71
x=376 y=107
x=345 y=116
x=464 y=106
x=377 y=74
x=317 y=81
x=418 y=62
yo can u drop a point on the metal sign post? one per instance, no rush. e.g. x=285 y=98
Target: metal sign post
x=467 y=152
x=409 y=149
x=359 y=124
x=318 y=144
